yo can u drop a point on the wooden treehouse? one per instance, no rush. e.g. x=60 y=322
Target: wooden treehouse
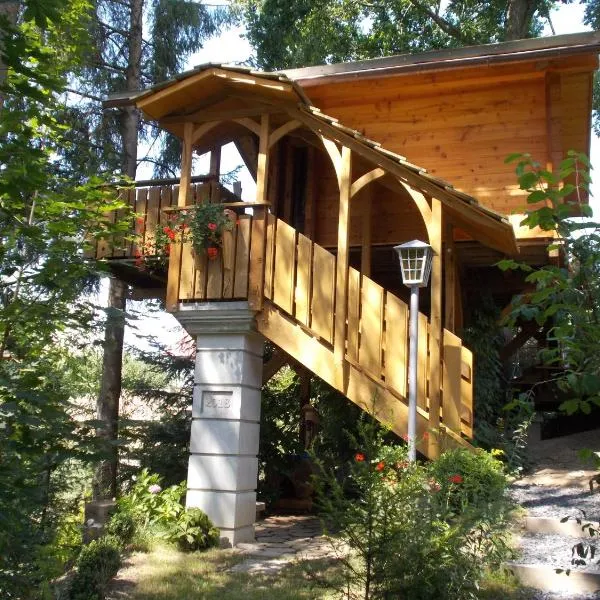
x=350 y=160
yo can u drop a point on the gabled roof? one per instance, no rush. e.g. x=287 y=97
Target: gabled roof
x=177 y=99
x=174 y=101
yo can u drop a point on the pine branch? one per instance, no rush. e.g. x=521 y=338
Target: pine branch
x=84 y=94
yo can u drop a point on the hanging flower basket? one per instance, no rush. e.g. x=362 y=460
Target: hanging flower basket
x=208 y=224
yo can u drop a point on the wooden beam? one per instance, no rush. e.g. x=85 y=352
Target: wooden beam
x=275 y=363
x=186 y=164
x=422 y=204
x=202 y=130
x=449 y=279
x=309 y=206
x=174 y=270
x=365 y=179
x=341 y=295
x=246 y=146
x=250 y=124
x=366 y=226
x=496 y=234
x=283 y=130
x=335 y=155
x=215 y=171
x=259 y=231
x=215 y=114
x=435 y=336
x=285 y=203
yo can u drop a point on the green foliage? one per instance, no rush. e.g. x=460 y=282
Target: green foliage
x=96 y=565
x=193 y=531
x=565 y=300
x=148 y=511
x=121 y=525
x=164 y=383
x=172 y=30
x=280 y=445
x=501 y=422
x=414 y=531
x=482 y=479
x=148 y=503
x=311 y=32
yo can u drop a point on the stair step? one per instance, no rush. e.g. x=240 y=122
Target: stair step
x=546 y=579
x=550 y=525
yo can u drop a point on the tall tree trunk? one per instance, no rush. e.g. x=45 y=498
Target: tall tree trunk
x=105 y=485
x=518 y=18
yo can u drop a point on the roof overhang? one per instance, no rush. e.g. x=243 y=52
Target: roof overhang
x=534 y=49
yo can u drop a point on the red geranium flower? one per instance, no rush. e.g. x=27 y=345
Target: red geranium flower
x=212 y=226
x=212 y=253
x=359 y=457
x=140 y=221
x=169 y=233
x=455 y=479
x=380 y=466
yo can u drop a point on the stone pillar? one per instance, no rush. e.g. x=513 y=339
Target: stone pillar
x=223 y=467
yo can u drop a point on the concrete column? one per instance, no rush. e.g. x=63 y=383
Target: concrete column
x=223 y=467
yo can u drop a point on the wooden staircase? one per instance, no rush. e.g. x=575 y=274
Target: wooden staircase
x=291 y=282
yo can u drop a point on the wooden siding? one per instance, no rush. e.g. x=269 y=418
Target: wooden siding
x=462 y=129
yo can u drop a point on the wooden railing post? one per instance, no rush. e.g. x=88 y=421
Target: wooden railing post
x=435 y=354
x=176 y=249
x=259 y=229
x=341 y=288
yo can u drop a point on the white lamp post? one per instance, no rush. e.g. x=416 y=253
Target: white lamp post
x=415 y=264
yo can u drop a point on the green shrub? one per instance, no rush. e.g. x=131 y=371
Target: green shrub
x=121 y=525
x=406 y=530
x=473 y=480
x=193 y=530
x=96 y=565
x=149 y=504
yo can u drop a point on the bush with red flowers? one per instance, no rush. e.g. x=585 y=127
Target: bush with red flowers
x=207 y=224
x=398 y=529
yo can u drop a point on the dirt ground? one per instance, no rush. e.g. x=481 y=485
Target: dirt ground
x=556 y=461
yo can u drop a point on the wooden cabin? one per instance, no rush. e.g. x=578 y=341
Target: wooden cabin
x=350 y=160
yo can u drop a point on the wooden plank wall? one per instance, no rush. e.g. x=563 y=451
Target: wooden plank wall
x=222 y=278
x=462 y=125
x=147 y=204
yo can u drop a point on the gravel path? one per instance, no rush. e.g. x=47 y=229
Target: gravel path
x=557 y=487
x=556 y=501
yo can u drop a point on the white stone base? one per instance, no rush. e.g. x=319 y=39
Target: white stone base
x=233 y=537
x=223 y=466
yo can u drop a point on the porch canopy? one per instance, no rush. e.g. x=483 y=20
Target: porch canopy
x=221 y=103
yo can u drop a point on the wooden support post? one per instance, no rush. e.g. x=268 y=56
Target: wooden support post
x=449 y=279
x=341 y=288
x=435 y=355
x=215 y=171
x=288 y=179
x=182 y=200
x=259 y=230
x=310 y=208
x=365 y=254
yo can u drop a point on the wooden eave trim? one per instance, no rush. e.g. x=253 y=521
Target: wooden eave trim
x=235 y=79
x=533 y=55
x=471 y=214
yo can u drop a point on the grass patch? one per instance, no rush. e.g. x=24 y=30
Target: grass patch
x=166 y=574
x=502 y=585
